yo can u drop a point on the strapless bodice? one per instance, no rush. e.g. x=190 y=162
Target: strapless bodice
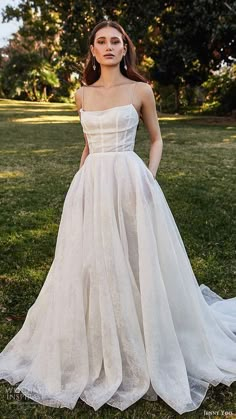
x=112 y=129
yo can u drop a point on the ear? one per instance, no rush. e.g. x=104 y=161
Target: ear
x=91 y=48
x=125 y=48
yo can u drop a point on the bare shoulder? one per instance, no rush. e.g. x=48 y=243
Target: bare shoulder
x=145 y=95
x=144 y=88
x=78 y=97
x=78 y=92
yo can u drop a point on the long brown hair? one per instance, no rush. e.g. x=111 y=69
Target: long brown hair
x=90 y=75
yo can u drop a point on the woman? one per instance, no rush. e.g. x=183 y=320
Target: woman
x=120 y=315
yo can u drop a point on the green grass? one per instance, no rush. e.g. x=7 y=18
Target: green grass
x=41 y=146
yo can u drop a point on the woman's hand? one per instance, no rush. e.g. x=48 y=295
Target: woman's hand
x=151 y=122
x=154 y=175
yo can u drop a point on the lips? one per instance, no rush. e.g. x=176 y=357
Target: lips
x=108 y=55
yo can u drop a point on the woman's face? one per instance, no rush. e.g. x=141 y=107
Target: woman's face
x=108 y=40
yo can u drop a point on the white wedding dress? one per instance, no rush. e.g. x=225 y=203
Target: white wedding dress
x=120 y=315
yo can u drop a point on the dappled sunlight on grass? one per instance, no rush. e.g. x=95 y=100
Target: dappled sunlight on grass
x=23 y=237
x=24 y=104
x=34 y=110
x=47 y=119
x=8 y=151
x=71 y=146
x=42 y=232
x=170 y=176
x=169 y=136
x=228 y=143
x=8 y=174
x=46 y=150
x=231 y=139
x=199 y=263
x=164 y=117
x=199 y=120
x=14 y=238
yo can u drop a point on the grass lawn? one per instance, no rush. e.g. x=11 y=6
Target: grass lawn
x=41 y=146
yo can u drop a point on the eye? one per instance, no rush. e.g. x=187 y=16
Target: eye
x=114 y=42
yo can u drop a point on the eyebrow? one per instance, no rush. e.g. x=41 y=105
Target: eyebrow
x=113 y=37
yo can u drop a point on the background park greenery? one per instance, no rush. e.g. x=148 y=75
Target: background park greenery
x=186 y=49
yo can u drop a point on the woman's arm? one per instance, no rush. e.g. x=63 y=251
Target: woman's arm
x=84 y=154
x=78 y=102
x=150 y=120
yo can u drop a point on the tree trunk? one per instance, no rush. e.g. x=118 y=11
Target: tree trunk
x=34 y=88
x=28 y=94
x=177 y=99
x=45 y=93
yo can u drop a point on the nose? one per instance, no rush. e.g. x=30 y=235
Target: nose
x=109 y=46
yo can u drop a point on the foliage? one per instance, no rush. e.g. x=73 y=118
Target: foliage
x=33 y=54
x=70 y=22
x=28 y=76
x=178 y=43
x=220 y=91
x=189 y=39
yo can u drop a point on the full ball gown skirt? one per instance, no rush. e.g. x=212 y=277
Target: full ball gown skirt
x=120 y=315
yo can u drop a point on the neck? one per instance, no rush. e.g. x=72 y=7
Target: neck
x=110 y=76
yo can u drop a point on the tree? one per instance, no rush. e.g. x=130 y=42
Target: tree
x=220 y=91
x=177 y=42
x=27 y=75
x=190 y=39
x=72 y=21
